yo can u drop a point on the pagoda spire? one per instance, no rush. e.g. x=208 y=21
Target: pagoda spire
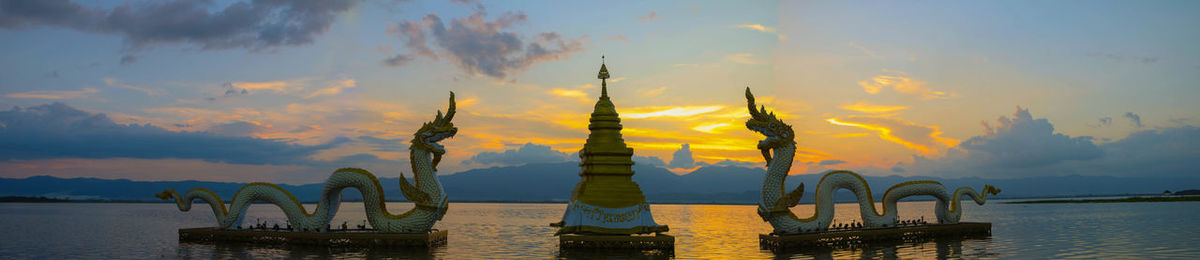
x=603 y=78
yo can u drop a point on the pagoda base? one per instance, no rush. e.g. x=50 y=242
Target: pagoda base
x=576 y=241
x=777 y=242
x=333 y=238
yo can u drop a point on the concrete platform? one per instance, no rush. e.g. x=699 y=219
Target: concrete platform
x=575 y=241
x=333 y=238
x=861 y=236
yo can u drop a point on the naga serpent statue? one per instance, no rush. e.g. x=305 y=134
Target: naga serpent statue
x=778 y=149
x=430 y=199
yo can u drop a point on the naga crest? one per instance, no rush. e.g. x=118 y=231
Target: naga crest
x=778 y=133
x=433 y=132
x=991 y=189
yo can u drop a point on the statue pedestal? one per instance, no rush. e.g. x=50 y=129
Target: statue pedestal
x=355 y=238
x=861 y=236
x=657 y=241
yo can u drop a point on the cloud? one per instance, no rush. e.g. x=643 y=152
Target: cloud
x=479 y=46
x=1134 y=119
x=384 y=144
x=760 y=28
x=562 y=92
x=144 y=24
x=237 y=128
x=649 y=17
x=112 y=82
x=335 y=88
x=926 y=139
x=867 y=107
x=743 y=58
x=1124 y=58
x=830 y=162
x=682 y=158
x=648 y=160
x=526 y=154
x=128 y=59
x=60 y=131
x=60 y=94
x=710 y=128
x=653 y=92
x=649 y=112
x=902 y=84
x=1023 y=147
x=1022 y=141
x=398 y=60
x=866 y=51
x=618 y=38
x=728 y=162
x=1104 y=121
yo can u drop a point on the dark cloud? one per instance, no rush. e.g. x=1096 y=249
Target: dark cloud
x=1134 y=119
x=1025 y=147
x=648 y=160
x=236 y=128
x=479 y=46
x=301 y=129
x=1022 y=141
x=398 y=60
x=254 y=24
x=128 y=59
x=384 y=144
x=682 y=158
x=60 y=131
x=528 y=153
x=830 y=162
x=1104 y=121
x=728 y=162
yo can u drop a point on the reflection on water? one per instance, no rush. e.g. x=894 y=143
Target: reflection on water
x=521 y=231
x=943 y=248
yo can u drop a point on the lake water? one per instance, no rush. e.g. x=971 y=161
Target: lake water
x=489 y=230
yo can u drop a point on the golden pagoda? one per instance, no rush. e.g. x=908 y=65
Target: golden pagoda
x=607 y=201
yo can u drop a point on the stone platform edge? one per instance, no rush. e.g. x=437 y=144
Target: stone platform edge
x=658 y=241
x=334 y=238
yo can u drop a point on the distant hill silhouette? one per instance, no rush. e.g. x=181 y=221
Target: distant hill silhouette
x=554 y=183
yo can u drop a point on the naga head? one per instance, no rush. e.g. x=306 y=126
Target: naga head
x=433 y=132
x=165 y=195
x=778 y=133
x=991 y=189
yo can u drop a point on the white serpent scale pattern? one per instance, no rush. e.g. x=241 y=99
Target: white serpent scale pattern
x=778 y=149
x=431 y=201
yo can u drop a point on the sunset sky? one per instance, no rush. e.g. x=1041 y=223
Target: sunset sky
x=287 y=92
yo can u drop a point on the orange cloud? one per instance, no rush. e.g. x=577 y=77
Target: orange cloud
x=280 y=86
x=335 y=88
x=865 y=107
x=901 y=83
x=744 y=58
x=649 y=112
x=710 y=128
x=66 y=94
x=925 y=139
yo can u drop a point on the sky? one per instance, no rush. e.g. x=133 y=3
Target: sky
x=288 y=91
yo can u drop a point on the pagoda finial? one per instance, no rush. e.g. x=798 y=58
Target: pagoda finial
x=603 y=78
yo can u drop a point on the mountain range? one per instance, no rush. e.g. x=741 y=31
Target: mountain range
x=554 y=182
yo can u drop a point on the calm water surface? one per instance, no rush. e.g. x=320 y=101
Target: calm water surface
x=485 y=230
